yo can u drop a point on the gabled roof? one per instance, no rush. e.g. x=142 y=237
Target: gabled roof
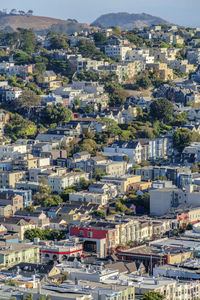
x=127 y=145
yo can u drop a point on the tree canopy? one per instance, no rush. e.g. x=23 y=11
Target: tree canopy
x=53 y=114
x=161 y=109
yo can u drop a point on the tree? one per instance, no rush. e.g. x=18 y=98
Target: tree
x=98 y=174
x=111 y=127
x=21 y=58
x=28 y=100
x=28 y=40
x=144 y=82
x=151 y=295
x=118 y=97
x=65 y=194
x=120 y=207
x=182 y=138
x=52 y=200
x=19 y=127
x=44 y=234
x=87 y=49
x=99 y=38
x=161 y=109
x=58 y=41
x=99 y=213
x=116 y=30
x=88 y=76
x=13 y=11
x=88 y=145
x=53 y=114
x=30 y=12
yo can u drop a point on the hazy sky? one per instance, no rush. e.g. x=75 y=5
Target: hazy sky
x=183 y=12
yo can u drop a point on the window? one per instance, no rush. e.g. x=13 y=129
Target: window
x=90 y=234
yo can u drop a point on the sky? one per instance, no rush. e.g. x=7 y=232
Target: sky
x=181 y=12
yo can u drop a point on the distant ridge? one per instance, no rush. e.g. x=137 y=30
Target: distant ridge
x=37 y=23
x=128 y=21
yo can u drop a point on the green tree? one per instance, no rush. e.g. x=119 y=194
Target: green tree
x=53 y=114
x=28 y=100
x=99 y=38
x=58 y=41
x=119 y=207
x=99 y=213
x=182 y=138
x=19 y=127
x=20 y=57
x=161 y=109
x=28 y=40
x=144 y=82
x=111 y=127
x=98 y=174
x=87 y=49
x=88 y=76
x=65 y=194
x=151 y=295
x=52 y=200
x=88 y=145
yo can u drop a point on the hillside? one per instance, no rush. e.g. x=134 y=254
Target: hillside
x=39 y=23
x=128 y=21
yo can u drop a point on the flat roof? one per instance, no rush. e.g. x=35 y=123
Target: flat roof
x=7 y=248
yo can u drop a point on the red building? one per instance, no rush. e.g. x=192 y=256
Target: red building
x=98 y=237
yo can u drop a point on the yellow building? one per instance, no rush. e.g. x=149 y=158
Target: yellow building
x=124 y=182
x=15 y=253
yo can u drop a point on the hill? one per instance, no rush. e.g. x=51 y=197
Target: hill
x=128 y=21
x=40 y=24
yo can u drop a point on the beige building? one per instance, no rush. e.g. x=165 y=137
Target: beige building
x=165 y=73
x=9 y=179
x=17 y=225
x=94 y=198
x=59 y=183
x=123 y=182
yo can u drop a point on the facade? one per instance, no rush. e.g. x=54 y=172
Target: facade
x=59 y=251
x=132 y=149
x=117 y=51
x=123 y=183
x=59 y=183
x=94 y=198
x=12 y=254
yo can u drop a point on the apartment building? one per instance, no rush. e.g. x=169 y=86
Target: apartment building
x=94 y=198
x=132 y=149
x=59 y=183
x=9 y=179
x=12 y=151
x=13 y=253
x=117 y=51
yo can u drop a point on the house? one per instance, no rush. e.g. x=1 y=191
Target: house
x=30 y=269
x=10 y=203
x=18 y=225
x=39 y=218
x=94 y=198
x=103 y=188
x=49 y=76
x=58 y=224
x=132 y=149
